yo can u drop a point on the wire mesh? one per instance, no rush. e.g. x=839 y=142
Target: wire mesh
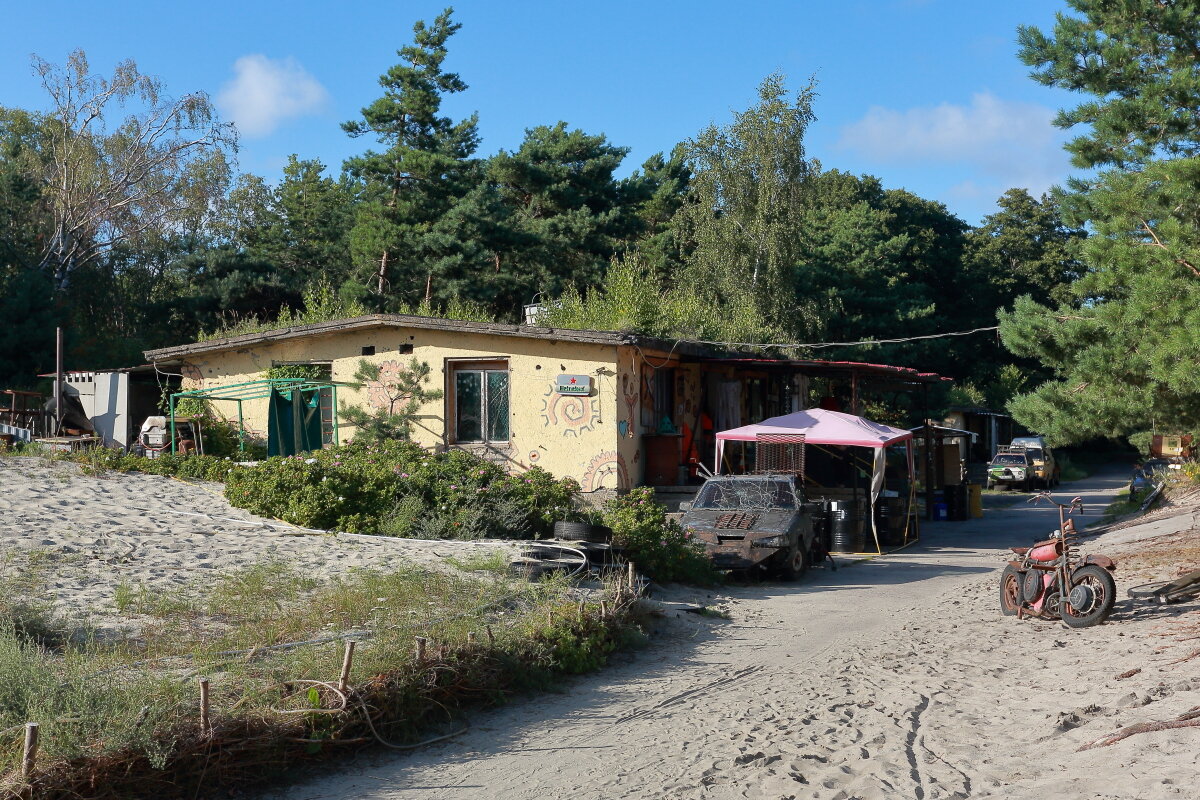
x=779 y=453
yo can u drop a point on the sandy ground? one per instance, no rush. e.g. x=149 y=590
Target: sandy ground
x=94 y=533
x=891 y=678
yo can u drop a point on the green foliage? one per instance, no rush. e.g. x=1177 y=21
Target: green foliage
x=659 y=547
x=632 y=298
x=398 y=488
x=319 y=303
x=574 y=645
x=100 y=460
x=405 y=394
x=410 y=188
x=1120 y=349
x=740 y=224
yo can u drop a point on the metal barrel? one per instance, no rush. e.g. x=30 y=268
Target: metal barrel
x=846 y=527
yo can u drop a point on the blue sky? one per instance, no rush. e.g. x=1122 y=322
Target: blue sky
x=928 y=95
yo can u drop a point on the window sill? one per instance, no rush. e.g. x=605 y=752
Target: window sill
x=492 y=451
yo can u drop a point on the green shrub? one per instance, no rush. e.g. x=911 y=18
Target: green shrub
x=660 y=547
x=99 y=460
x=401 y=489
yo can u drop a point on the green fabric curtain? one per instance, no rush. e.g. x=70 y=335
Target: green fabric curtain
x=293 y=422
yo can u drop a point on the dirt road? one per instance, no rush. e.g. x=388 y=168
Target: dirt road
x=890 y=678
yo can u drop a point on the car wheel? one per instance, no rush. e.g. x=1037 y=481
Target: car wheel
x=794 y=564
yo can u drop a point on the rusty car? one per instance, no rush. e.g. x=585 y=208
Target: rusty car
x=754 y=523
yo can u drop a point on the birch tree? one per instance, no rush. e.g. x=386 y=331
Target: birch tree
x=120 y=162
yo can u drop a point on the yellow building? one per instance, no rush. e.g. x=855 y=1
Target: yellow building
x=612 y=410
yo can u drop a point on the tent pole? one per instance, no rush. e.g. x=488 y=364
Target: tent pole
x=928 y=453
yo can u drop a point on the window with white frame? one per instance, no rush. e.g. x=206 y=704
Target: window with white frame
x=479 y=391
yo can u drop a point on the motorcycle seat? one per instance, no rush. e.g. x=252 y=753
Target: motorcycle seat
x=1019 y=550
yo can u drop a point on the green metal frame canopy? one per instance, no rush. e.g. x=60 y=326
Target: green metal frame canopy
x=263 y=389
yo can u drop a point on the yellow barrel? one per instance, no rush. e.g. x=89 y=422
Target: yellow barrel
x=975 y=500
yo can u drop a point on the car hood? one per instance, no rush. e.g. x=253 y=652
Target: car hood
x=709 y=519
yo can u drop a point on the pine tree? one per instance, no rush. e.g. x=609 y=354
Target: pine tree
x=1123 y=347
x=423 y=169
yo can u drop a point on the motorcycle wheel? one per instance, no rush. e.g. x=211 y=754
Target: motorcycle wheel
x=1099 y=590
x=1010 y=591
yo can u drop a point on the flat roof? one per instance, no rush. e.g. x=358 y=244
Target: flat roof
x=686 y=350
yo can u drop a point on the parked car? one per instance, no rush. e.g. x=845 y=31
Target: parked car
x=1011 y=468
x=1041 y=458
x=750 y=522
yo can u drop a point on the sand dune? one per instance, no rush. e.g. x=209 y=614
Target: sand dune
x=94 y=533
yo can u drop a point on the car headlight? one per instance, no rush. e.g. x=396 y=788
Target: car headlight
x=771 y=541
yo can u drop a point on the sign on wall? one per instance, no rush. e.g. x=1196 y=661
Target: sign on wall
x=573 y=384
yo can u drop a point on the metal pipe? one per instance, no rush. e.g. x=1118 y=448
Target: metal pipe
x=59 y=377
x=928 y=454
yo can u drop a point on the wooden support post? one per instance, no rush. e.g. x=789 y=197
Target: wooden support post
x=205 y=722
x=29 y=759
x=582 y=609
x=421 y=642
x=347 y=662
x=603 y=609
x=632 y=579
x=491 y=636
x=550 y=618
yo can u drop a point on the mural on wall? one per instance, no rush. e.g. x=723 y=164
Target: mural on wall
x=572 y=414
x=378 y=393
x=629 y=391
x=647 y=381
x=603 y=467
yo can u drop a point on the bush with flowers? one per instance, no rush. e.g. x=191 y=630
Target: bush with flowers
x=399 y=488
x=659 y=547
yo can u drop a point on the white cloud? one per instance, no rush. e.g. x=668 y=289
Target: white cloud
x=265 y=92
x=1014 y=143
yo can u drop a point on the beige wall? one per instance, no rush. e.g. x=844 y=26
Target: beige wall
x=569 y=436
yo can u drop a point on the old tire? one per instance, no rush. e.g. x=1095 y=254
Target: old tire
x=1010 y=591
x=582 y=532
x=1095 y=590
x=794 y=564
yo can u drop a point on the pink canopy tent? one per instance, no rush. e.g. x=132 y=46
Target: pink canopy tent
x=820 y=426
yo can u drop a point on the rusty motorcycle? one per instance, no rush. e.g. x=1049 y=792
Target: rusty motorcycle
x=1052 y=581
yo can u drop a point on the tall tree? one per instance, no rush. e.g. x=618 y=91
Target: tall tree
x=422 y=170
x=747 y=194
x=159 y=169
x=1026 y=248
x=1122 y=348
x=563 y=199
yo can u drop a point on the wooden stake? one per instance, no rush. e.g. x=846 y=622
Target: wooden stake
x=550 y=618
x=205 y=725
x=347 y=660
x=491 y=636
x=603 y=609
x=581 y=611
x=421 y=642
x=31 y=745
x=471 y=638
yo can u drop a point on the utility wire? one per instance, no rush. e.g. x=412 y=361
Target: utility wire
x=818 y=345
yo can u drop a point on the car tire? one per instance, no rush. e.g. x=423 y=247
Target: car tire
x=794 y=564
x=582 y=532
